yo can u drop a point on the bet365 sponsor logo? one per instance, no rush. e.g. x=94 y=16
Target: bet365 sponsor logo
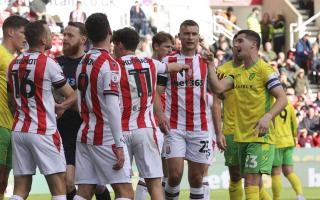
x=188 y=83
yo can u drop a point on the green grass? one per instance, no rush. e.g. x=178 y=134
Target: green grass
x=287 y=194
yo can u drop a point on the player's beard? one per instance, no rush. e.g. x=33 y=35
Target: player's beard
x=71 y=49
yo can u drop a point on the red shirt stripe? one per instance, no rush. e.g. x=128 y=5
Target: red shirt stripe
x=84 y=107
x=98 y=131
x=203 y=72
x=189 y=96
x=174 y=97
x=38 y=80
x=24 y=100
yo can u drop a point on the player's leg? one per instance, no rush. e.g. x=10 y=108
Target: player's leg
x=85 y=191
x=232 y=162
x=23 y=164
x=147 y=156
x=57 y=184
x=123 y=191
x=102 y=193
x=287 y=169
x=276 y=174
x=205 y=184
x=199 y=155
x=141 y=190
x=71 y=189
x=5 y=159
x=263 y=194
x=175 y=152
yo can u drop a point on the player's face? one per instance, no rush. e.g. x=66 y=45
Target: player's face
x=189 y=36
x=19 y=39
x=72 y=40
x=243 y=46
x=48 y=37
x=164 y=49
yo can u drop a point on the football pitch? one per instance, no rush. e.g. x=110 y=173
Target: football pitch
x=286 y=194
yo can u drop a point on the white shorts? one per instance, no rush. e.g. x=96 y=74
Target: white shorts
x=212 y=138
x=193 y=146
x=143 y=145
x=160 y=139
x=31 y=150
x=94 y=165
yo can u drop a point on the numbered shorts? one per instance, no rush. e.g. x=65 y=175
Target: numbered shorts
x=231 y=152
x=94 y=165
x=256 y=157
x=33 y=150
x=5 y=148
x=143 y=146
x=283 y=156
x=193 y=146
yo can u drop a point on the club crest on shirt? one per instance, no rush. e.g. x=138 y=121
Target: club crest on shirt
x=251 y=76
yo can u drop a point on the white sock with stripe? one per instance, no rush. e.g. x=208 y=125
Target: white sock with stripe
x=206 y=188
x=59 y=197
x=172 y=193
x=196 y=194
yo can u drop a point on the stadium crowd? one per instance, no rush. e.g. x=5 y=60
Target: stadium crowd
x=294 y=71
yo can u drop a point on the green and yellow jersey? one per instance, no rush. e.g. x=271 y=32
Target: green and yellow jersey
x=252 y=86
x=228 y=69
x=6 y=118
x=286 y=127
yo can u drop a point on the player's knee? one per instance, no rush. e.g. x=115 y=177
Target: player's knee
x=70 y=184
x=174 y=178
x=235 y=176
x=195 y=180
x=123 y=190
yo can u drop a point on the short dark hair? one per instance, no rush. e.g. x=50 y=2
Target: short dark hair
x=34 y=32
x=80 y=26
x=98 y=27
x=128 y=37
x=189 y=22
x=251 y=35
x=161 y=37
x=15 y=22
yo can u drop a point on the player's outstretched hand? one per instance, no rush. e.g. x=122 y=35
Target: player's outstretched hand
x=262 y=125
x=120 y=158
x=59 y=109
x=164 y=124
x=221 y=142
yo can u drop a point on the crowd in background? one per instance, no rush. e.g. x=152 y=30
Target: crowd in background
x=297 y=70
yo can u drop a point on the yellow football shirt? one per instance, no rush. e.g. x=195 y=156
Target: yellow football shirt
x=6 y=118
x=286 y=127
x=228 y=69
x=252 y=87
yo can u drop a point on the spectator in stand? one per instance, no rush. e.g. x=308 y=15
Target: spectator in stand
x=266 y=26
x=281 y=60
x=278 y=33
x=221 y=13
x=231 y=17
x=316 y=139
x=303 y=51
x=318 y=40
x=220 y=55
x=291 y=69
x=315 y=64
x=310 y=122
x=78 y=15
x=19 y=7
x=217 y=45
x=138 y=19
x=305 y=140
x=317 y=101
x=268 y=54
x=253 y=22
x=301 y=83
x=284 y=79
x=38 y=9
x=154 y=19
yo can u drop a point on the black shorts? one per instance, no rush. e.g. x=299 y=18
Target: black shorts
x=68 y=126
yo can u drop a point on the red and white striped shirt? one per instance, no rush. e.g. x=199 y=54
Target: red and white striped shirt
x=31 y=77
x=186 y=94
x=97 y=76
x=138 y=84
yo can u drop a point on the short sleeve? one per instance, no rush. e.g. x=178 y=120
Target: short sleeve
x=111 y=80
x=161 y=67
x=270 y=77
x=55 y=73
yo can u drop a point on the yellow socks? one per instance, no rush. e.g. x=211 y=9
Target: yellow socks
x=295 y=183
x=252 y=192
x=264 y=195
x=276 y=186
x=235 y=190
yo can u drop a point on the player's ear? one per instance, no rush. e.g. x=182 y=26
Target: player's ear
x=10 y=32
